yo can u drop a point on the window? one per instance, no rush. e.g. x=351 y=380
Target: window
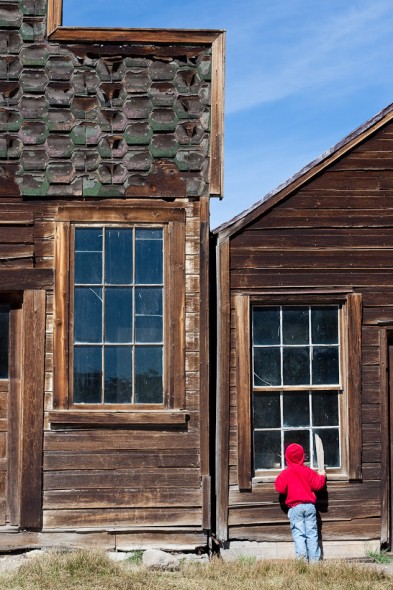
x=118 y=315
x=298 y=374
x=119 y=311
x=295 y=349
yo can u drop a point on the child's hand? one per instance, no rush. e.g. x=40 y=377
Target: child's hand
x=322 y=472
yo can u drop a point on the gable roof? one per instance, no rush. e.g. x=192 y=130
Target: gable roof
x=341 y=148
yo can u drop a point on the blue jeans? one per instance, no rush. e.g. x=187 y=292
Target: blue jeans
x=304 y=528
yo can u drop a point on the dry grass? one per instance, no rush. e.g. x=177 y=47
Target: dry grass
x=92 y=570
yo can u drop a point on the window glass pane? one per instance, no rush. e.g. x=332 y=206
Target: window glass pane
x=88 y=268
x=148 y=375
x=118 y=256
x=301 y=437
x=296 y=366
x=325 y=408
x=325 y=366
x=331 y=445
x=88 y=314
x=87 y=374
x=88 y=239
x=324 y=325
x=267 y=449
x=266 y=325
x=4 y=337
x=267 y=411
x=296 y=409
x=148 y=257
x=88 y=256
x=118 y=314
x=148 y=315
x=267 y=370
x=295 y=325
x=118 y=375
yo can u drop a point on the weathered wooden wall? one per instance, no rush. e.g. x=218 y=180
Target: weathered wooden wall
x=334 y=232
x=119 y=123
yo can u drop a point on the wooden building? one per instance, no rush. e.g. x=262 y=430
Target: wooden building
x=110 y=148
x=305 y=347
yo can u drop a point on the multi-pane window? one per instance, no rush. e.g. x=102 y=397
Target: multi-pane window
x=296 y=382
x=118 y=326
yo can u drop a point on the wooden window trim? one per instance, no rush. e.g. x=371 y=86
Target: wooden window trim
x=174 y=269
x=351 y=371
x=118 y=417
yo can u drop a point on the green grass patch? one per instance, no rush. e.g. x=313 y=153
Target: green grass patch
x=380 y=557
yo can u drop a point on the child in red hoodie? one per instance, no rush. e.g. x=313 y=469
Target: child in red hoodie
x=299 y=483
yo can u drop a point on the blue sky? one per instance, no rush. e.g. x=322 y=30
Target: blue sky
x=300 y=75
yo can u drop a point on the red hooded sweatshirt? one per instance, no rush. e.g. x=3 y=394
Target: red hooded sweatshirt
x=298 y=481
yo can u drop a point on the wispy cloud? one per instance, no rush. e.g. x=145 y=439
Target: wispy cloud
x=349 y=47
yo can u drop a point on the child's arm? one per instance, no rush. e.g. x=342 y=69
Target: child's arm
x=280 y=483
x=318 y=480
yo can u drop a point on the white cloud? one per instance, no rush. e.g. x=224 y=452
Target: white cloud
x=350 y=47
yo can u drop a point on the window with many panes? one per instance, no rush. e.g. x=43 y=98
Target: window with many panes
x=119 y=312
x=296 y=382
x=118 y=320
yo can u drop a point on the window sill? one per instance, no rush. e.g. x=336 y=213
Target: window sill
x=260 y=479
x=118 y=417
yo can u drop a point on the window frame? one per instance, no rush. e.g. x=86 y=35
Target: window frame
x=172 y=220
x=350 y=368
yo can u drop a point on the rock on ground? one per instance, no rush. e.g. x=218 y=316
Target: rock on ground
x=159 y=560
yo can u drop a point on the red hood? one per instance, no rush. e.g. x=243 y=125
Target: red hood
x=294 y=455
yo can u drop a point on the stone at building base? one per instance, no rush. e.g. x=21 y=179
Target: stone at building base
x=331 y=550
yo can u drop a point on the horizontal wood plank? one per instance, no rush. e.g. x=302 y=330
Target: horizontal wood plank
x=136 y=478
x=63 y=461
x=123 y=498
x=97 y=417
x=155 y=517
x=92 y=440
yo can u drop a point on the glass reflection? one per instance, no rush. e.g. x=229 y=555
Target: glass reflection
x=295 y=328
x=148 y=375
x=118 y=256
x=148 y=315
x=88 y=314
x=87 y=374
x=325 y=408
x=118 y=314
x=267 y=366
x=296 y=366
x=118 y=375
x=267 y=449
x=324 y=325
x=325 y=366
x=266 y=325
x=148 y=257
x=331 y=445
x=296 y=408
x=267 y=411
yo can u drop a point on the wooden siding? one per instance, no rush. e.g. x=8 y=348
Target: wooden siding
x=335 y=233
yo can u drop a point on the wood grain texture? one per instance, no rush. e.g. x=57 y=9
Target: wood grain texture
x=354 y=385
x=127 y=517
x=204 y=334
x=223 y=378
x=116 y=418
x=217 y=117
x=243 y=388
x=32 y=409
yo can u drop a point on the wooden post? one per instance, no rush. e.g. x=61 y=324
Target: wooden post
x=32 y=415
